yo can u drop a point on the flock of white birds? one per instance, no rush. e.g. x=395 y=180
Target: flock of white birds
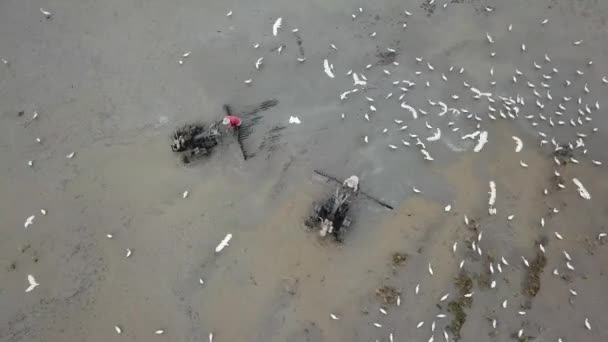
x=536 y=106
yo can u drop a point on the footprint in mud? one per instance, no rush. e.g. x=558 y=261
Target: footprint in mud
x=310 y=333
x=299 y=41
x=386 y=57
x=270 y=140
x=429 y=7
x=251 y=117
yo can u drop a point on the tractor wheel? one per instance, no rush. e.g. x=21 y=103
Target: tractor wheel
x=339 y=235
x=310 y=222
x=316 y=209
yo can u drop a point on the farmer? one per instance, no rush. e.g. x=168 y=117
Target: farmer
x=232 y=121
x=352 y=182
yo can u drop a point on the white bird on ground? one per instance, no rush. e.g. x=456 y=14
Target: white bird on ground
x=328 y=69
x=47 y=14
x=435 y=136
x=410 y=109
x=223 y=243
x=492 y=199
x=276 y=26
x=430 y=269
x=490 y=39
x=358 y=81
x=258 y=63
x=159 y=332
x=117 y=329
x=345 y=94
x=32 y=283
x=29 y=221
x=128 y=253
x=483 y=139
x=185 y=194
x=581 y=189
x=334 y=317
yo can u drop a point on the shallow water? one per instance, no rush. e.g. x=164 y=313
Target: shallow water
x=106 y=82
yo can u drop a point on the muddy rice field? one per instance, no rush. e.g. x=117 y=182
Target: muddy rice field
x=482 y=123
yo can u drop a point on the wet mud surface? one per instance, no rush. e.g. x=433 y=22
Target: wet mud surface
x=107 y=84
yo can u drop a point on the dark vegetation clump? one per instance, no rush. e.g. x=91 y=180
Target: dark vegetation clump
x=388 y=294
x=464 y=284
